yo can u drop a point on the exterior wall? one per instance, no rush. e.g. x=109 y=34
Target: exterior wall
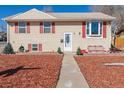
x=51 y=41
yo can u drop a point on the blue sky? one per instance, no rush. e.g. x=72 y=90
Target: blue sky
x=8 y=10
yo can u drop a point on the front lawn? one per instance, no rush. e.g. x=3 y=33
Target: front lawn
x=98 y=74
x=27 y=71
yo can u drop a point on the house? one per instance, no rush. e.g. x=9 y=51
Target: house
x=40 y=31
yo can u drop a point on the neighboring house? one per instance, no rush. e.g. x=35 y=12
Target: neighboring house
x=40 y=31
x=3 y=39
x=3 y=36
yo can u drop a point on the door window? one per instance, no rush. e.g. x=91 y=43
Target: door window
x=67 y=40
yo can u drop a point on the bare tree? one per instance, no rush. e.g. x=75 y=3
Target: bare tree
x=116 y=11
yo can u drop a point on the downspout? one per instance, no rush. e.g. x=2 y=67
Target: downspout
x=8 y=33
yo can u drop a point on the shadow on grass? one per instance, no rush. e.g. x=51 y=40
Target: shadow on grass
x=10 y=72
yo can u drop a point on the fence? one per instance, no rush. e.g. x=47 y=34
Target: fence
x=119 y=42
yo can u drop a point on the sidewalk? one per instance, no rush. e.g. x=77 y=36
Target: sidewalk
x=70 y=76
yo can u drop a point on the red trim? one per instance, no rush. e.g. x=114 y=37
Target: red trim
x=28 y=27
x=40 y=47
x=16 y=27
x=41 y=27
x=104 y=29
x=53 y=27
x=29 y=47
x=83 y=29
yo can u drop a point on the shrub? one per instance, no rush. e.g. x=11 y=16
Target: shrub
x=59 y=50
x=8 y=49
x=78 y=51
x=21 y=48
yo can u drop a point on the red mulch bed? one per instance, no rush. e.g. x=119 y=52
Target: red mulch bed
x=100 y=76
x=29 y=71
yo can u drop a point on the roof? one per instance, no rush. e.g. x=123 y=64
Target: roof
x=37 y=15
x=85 y=16
x=32 y=14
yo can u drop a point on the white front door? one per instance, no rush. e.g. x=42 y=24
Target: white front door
x=68 y=41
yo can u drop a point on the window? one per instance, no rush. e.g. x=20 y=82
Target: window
x=47 y=27
x=94 y=29
x=22 y=27
x=34 y=47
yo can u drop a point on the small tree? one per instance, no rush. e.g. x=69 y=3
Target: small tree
x=59 y=50
x=8 y=49
x=78 y=51
x=21 y=48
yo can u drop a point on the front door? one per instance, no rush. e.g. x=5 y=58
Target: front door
x=67 y=41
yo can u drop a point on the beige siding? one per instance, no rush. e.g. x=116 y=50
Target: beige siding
x=51 y=41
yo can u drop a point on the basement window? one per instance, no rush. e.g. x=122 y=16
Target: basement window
x=34 y=47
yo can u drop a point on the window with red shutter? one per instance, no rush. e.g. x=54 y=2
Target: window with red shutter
x=47 y=27
x=94 y=28
x=22 y=27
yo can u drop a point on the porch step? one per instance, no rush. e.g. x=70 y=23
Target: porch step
x=96 y=49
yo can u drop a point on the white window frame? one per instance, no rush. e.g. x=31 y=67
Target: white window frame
x=47 y=27
x=22 y=27
x=93 y=35
x=32 y=47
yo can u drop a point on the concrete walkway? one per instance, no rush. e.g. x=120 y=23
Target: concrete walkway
x=70 y=76
x=114 y=64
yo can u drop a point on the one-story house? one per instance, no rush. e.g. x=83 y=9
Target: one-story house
x=42 y=31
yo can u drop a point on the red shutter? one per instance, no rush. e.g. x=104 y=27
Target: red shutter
x=40 y=47
x=41 y=27
x=16 y=27
x=28 y=27
x=29 y=47
x=104 y=29
x=53 y=27
x=83 y=29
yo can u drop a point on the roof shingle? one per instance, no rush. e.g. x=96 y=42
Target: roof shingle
x=37 y=15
